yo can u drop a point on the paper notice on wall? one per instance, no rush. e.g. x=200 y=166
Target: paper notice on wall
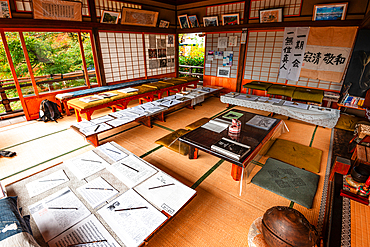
x=233 y=40
x=294 y=46
x=222 y=42
x=152 y=41
x=228 y=58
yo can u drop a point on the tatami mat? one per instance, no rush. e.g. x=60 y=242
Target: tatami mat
x=217 y=216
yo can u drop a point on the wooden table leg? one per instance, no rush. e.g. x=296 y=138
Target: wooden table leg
x=66 y=108
x=78 y=115
x=236 y=172
x=193 y=152
x=93 y=140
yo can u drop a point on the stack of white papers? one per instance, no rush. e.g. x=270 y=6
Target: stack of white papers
x=249 y=97
x=46 y=183
x=135 y=221
x=92 y=98
x=128 y=90
x=83 y=124
x=112 y=152
x=95 y=129
x=295 y=104
x=215 y=126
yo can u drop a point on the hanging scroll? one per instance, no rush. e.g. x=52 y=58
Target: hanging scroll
x=294 y=46
x=327 y=53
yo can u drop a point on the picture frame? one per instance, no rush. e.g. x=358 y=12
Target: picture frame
x=5 y=9
x=139 y=17
x=329 y=12
x=57 y=10
x=110 y=17
x=271 y=15
x=193 y=20
x=183 y=21
x=230 y=19
x=210 y=21
x=164 y=24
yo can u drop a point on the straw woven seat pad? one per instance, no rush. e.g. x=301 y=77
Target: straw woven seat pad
x=82 y=105
x=156 y=85
x=197 y=123
x=259 y=85
x=255 y=236
x=171 y=141
x=307 y=94
x=348 y=122
x=283 y=90
x=296 y=154
x=293 y=183
x=143 y=89
x=121 y=95
x=169 y=83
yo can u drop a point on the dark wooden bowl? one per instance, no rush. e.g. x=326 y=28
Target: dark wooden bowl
x=287 y=227
x=360 y=173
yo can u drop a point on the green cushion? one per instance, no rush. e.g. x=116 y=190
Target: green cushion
x=307 y=94
x=296 y=154
x=294 y=184
x=121 y=95
x=171 y=141
x=347 y=122
x=197 y=123
x=283 y=90
x=259 y=85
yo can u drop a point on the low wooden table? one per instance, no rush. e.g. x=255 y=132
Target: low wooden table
x=258 y=139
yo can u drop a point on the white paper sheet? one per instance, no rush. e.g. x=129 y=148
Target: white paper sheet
x=120 y=121
x=83 y=124
x=46 y=183
x=261 y=122
x=295 y=104
x=170 y=103
x=57 y=212
x=170 y=198
x=131 y=170
x=132 y=226
x=247 y=97
x=101 y=119
x=215 y=126
x=138 y=111
x=112 y=152
x=97 y=191
x=86 y=164
x=95 y=130
x=128 y=90
x=88 y=230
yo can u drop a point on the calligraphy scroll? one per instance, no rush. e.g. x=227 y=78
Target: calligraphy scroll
x=327 y=53
x=57 y=10
x=294 y=46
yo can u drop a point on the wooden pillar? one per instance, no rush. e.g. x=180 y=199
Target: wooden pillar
x=97 y=48
x=84 y=66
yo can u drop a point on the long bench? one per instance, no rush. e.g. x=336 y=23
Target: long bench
x=65 y=97
x=145 y=92
x=143 y=113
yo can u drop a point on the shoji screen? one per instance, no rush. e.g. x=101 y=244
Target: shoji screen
x=263 y=56
x=123 y=55
x=290 y=7
x=164 y=61
x=212 y=45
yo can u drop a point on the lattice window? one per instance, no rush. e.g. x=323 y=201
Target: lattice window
x=212 y=45
x=123 y=55
x=316 y=83
x=263 y=56
x=157 y=66
x=116 y=6
x=290 y=7
x=25 y=6
x=226 y=9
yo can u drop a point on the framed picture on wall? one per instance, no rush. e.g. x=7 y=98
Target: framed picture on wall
x=329 y=12
x=164 y=24
x=139 y=17
x=271 y=15
x=57 y=10
x=110 y=17
x=5 y=10
x=193 y=21
x=183 y=20
x=210 y=21
x=230 y=19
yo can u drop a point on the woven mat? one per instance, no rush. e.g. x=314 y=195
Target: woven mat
x=288 y=181
x=296 y=154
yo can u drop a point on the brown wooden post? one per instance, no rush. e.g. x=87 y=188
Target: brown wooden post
x=96 y=62
x=83 y=60
x=97 y=49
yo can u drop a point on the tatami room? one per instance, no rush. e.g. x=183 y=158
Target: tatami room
x=252 y=115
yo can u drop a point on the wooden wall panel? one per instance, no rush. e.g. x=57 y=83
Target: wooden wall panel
x=33 y=104
x=229 y=84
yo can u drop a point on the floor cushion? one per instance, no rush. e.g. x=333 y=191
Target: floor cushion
x=197 y=123
x=308 y=94
x=259 y=85
x=171 y=141
x=82 y=105
x=347 y=122
x=296 y=154
x=282 y=90
x=15 y=230
x=293 y=183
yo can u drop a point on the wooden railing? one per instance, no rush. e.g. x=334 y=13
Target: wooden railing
x=195 y=71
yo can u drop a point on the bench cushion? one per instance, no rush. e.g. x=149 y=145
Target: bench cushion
x=197 y=123
x=259 y=85
x=82 y=105
x=121 y=95
x=142 y=89
x=307 y=94
x=282 y=90
x=171 y=141
x=156 y=85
